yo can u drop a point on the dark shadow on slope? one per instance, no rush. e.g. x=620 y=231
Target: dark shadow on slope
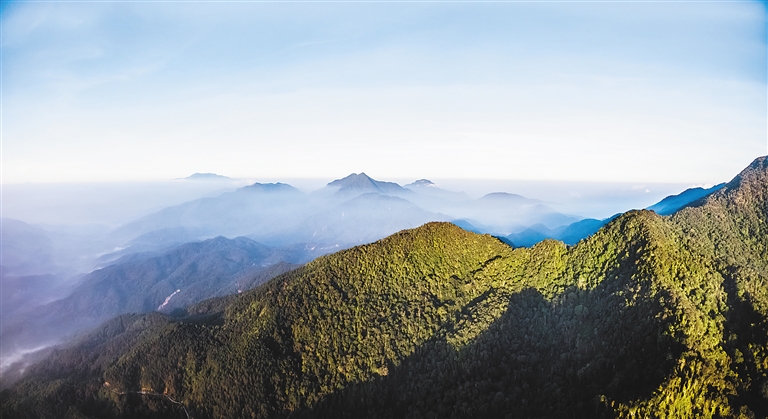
x=540 y=359
x=71 y=378
x=745 y=326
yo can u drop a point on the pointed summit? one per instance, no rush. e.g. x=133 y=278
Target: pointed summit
x=353 y=180
x=748 y=191
x=356 y=184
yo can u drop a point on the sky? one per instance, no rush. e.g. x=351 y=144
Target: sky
x=586 y=91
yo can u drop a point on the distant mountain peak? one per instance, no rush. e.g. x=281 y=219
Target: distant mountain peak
x=505 y=196
x=421 y=183
x=353 y=179
x=674 y=203
x=362 y=183
x=206 y=176
x=269 y=187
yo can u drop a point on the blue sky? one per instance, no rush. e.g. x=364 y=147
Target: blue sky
x=120 y=91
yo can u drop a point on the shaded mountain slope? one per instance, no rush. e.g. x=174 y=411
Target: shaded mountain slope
x=141 y=283
x=649 y=317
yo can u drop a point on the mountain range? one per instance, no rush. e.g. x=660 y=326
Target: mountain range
x=137 y=276
x=650 y=316
x=143 y=282
x=278 y=213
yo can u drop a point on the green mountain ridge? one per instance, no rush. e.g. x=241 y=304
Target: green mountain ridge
x=652 y=316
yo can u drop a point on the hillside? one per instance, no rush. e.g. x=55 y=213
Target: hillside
x=142 y=283
x=651 y=316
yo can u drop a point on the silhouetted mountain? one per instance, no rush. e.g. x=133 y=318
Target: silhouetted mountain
x=426 y=188
x=270 y=188
x=580 y=230
x=206 y=176
x=266 y=209
x=531 y=235
x=674 y=203
x=421 y=183
x=503 y=213
x=650 y=317
x=569 y=234
x=363 y=219
x=358 y=184
x=279 y=215
x=506 y=198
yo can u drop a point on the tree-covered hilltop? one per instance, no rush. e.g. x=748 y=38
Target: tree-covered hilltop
x=660 y=317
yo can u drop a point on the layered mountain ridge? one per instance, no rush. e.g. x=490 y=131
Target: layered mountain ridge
x=650 y=316
x=347 y=212
x=138 y=283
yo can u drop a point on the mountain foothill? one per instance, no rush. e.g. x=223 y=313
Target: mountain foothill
x=370 y=299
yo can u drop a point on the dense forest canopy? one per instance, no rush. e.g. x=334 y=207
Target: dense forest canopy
x=652 y=316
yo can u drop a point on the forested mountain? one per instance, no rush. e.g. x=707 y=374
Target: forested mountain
x=652 y=316
x=141 y=283
x=576 y=231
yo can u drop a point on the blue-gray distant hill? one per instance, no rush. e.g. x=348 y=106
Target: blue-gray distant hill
x=568 y=234
x=572 y=233
x=674 y=203
x=145 y=282
x=358 y=184
x=206 y=176
x=427 y=192
x=346 y=212
x=362 y=219
x=502 y=213
x=269 y=209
